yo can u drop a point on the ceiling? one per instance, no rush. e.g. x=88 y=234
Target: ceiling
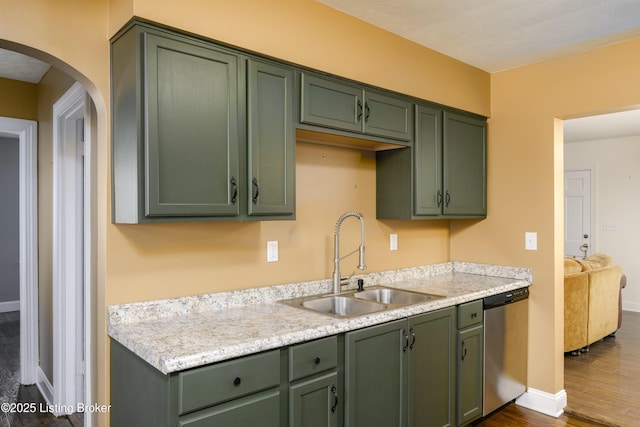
x=16 y=66
x=493 y=35
x=603 y=126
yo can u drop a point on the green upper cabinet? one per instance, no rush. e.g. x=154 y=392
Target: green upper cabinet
x=336 y=104
x=194 y=130
x=190 y=129
x=442 y=176
x=465 y=165
x=426 y=162
x=271 y=139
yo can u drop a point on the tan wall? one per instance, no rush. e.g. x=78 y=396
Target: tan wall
x=156 y=261
x=52 y=86
x=148 y=262
x=18 y=99
x=309 y=33
x=525 y=157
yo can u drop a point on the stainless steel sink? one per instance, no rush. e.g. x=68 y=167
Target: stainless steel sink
x=353 y=304
x=342 y=306
x=392 y=296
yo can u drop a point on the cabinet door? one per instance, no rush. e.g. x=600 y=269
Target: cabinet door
x=314 y=403
x=190 y=129
x=427 y=162
x=332 y=104
x=469 y=374
x=376 y=374
x=432 y=369
x=465 y=183
x=271 y=140
x=387 y=116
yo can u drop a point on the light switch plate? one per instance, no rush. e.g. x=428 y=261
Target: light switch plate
x=272 y=251
x=393 y=242
x=531 y=241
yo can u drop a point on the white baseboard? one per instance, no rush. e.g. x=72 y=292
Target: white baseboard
x=546 y=403
x=8 y=306
x=630 y=306
x=45 y=387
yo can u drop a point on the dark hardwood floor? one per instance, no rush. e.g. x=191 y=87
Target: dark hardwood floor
x=28 y=396
x=603 y=385
x=514 y=415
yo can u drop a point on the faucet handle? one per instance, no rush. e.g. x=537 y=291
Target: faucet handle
x=345 y=280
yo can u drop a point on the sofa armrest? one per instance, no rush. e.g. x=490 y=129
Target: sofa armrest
x=576 y=311
x=604 y=295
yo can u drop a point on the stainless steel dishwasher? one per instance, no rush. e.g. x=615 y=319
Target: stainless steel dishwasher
x=506 y=326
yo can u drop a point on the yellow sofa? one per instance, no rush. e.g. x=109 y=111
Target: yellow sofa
x=591 y=300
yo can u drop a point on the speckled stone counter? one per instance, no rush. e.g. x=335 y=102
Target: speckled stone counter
x=182 y=333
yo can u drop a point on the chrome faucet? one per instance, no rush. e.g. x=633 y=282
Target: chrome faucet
x=337 y=280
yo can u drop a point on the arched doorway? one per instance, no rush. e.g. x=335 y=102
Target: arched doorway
x=48 y=337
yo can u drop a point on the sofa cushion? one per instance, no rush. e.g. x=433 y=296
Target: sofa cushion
x=598 y=261
x=586 y=265
x=571 y=266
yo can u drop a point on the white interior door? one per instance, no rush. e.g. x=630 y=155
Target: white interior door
x=577 y=213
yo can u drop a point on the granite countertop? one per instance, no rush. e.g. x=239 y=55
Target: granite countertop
x=176 y=334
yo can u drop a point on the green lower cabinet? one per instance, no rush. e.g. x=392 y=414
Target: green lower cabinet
x=470 y=361
x=424 y=371
x=376 y=376
x=402 y=373
x=315 y=387
x=236 y=393
x=314 y=403
x=432 y=369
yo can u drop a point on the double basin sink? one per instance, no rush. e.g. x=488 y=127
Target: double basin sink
x=359 y=303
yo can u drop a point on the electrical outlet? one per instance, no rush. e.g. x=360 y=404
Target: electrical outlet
x=393 y=242
x=531 y=241
x=272 y=251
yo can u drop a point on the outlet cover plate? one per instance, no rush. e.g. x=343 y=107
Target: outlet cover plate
x=272 y=251
x=531 y=241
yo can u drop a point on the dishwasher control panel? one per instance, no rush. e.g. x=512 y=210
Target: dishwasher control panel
x=506 y=298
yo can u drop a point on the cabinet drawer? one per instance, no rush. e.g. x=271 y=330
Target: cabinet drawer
x=470 y=314
x=312 y=357
x=260 y=410
x=209 y=385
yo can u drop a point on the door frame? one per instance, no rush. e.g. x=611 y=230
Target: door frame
x=27 y=133
x=73 y=254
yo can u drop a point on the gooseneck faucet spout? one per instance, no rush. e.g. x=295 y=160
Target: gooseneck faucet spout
x=337 y=279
